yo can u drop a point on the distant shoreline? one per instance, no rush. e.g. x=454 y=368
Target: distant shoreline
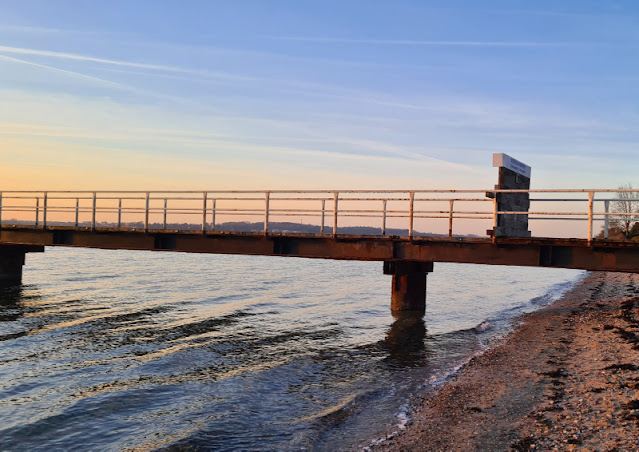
x=567 y=377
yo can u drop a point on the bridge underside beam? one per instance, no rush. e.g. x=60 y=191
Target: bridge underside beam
x=536 y=252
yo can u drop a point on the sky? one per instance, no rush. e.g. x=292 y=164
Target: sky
x=220 y=95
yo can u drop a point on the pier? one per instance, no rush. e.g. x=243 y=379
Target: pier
x=376 y=225
x=408 y=258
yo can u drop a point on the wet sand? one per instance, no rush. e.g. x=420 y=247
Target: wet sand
x=567 y=378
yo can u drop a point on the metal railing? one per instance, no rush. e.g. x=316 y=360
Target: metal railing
x=108 y=209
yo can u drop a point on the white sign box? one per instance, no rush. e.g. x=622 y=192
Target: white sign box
x=515 y=165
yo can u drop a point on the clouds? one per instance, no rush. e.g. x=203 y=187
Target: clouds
x=425 y=43
x=63 y=71
x=410 y=97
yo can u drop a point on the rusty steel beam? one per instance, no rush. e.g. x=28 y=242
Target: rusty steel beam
x=535 y=252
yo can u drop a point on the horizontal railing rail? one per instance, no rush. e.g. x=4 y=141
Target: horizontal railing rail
x=159 y=210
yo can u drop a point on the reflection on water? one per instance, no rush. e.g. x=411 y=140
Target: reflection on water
x=139 y=351
x=404 y=342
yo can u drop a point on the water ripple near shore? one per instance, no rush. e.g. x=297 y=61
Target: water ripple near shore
x=137 y=350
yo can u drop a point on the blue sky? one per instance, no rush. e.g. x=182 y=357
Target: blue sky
x=336 y=95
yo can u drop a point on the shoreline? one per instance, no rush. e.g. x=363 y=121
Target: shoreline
x=566 y=378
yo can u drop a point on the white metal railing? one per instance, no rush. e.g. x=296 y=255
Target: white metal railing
x=108 y=209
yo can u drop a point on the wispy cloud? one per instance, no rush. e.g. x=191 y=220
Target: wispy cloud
x=76 y=57
x=417 y=42
x=64 y=71
x=121 y=63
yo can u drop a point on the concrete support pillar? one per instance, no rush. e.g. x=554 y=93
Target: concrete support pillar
x=11 y=262
x=408 y=291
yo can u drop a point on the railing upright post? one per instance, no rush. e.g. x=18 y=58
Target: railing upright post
x=335 y=210
x=37 y=212
x=591 y=196
x=77 y=212
x=44 y=210
x=606 y=219
x=0 y=209
x=213 y=215
x=323 y=211
x=119 y=213
x=410 y=213
x=266 y=203
x=95 y=202
x=450 y=218
x=204 y=201
x=164 y=222
x=384 y=217
x=146 y=212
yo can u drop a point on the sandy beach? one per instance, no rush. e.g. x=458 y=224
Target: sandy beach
x=567 y=378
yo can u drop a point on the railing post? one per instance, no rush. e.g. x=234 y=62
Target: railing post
x=44 y=211
x=450 y=218
x=266 y=202
x=591 y=196
x=335 y=210
x=323 y=210
x=119 y=213
x=77 y=212
x=213 y=215
x=0 y=209
x=384 y=217
x=204 y=201
x=146 y=212
x=37 y=212
x=410 y=213
x=95 y=202
x=606 y=219
x=164 y=222
x=495 y=210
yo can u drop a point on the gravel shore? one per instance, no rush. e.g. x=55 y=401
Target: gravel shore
x=567 y=378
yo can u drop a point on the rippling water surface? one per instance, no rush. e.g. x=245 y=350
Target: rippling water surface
x=139 y=350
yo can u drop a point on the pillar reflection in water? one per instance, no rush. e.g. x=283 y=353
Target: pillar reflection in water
x=405 y=340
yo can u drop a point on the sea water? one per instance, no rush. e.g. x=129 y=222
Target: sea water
x=138 y=350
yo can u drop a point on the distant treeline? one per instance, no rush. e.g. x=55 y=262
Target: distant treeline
x=244 y=226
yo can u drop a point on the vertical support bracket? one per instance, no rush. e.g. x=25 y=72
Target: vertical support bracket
x=164 y=218
x=119 y=213
x=267 y=197
x=335 y=210
x=44 y=210
x=384 y=217
x=450 y=217
x=213 y=215
x=606 y=219
x=95 y=202
x=591 y=196
x=204 y=201
x=411 y=213
x=146 y=211
x=37 y=212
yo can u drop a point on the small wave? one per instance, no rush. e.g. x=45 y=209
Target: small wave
x=87 y=278
x=403 y=419
x=335 y=411
x=483 y=327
